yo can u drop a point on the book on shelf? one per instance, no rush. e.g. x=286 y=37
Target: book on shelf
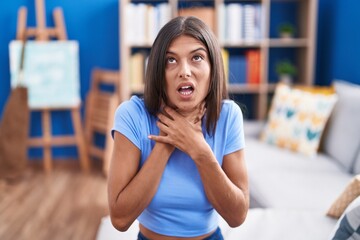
x=238 y=22
x=225 y=57
x=233 y=23
x=144 y=21
x=252 y=22
x=151 y=23
x=237 y=69
x=206 y=14
x=253 y=66
x=242 y=68
x=221 y=32
x=137 y=69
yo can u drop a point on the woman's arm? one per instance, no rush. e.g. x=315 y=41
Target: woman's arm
x=226 y=187
x=130 y=190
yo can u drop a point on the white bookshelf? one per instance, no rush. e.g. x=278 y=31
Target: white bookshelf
x=303 y=44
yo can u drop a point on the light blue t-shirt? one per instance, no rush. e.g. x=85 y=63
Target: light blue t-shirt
x=180 y=206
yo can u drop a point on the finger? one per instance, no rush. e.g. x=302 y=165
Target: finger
x=162 y=139
x=164 y=119
x=163 y=127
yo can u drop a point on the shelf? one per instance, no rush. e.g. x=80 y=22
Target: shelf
x=287 y=42
x=250 y=88
x=136 y=45
x=243 y=44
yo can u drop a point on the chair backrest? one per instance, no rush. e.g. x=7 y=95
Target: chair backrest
x=101 y=103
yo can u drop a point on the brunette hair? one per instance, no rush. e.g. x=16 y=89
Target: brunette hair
x=155 y=93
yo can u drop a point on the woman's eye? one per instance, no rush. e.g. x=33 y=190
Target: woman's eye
x=198 y=58
x=171 y=60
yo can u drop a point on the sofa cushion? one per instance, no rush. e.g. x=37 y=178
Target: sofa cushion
x=357 y=163
x=348 y=226
x=106 y=231
x=274 y=224
x=279 y=178
x=351 y=192
x=297 y=119
x=280 y=224
x=342 y=135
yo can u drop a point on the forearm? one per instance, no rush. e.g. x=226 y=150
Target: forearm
x=138 y=193
x=228 y=198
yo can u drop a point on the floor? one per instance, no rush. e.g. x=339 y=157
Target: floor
x=65 y=204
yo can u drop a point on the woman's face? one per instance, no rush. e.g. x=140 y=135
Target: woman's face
x=187 y=74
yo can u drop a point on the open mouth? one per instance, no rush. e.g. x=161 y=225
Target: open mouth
x=186 y=90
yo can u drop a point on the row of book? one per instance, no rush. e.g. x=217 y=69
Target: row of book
x=239 y=68
x=144 y=21
x=238 y=22
x=242 y=68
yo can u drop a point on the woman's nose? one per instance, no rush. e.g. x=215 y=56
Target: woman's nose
x=185 y=71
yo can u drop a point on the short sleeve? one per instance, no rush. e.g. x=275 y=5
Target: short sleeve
x=127 y=122
x=235 y=136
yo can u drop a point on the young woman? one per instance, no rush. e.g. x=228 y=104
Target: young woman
x=178 y=158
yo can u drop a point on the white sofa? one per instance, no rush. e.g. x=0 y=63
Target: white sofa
x=290 y=193
x=261 y=224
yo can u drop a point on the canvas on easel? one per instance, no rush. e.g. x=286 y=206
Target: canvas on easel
x=51 y=72
x=47 y=75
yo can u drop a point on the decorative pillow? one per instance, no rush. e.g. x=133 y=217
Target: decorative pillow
x=342 y=135
x=317 y=89
x=297 y=119
x=351 y=192
x=348 y=226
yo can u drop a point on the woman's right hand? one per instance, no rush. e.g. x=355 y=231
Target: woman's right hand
x=184 y=133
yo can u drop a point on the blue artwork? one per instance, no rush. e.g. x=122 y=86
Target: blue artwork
x=51 y=72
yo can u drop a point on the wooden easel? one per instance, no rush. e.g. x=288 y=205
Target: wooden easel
x=42 y=33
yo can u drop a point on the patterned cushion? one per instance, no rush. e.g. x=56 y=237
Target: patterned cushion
x=317 y=89
x=297 y=119
x=351 y=192
x=348 y=226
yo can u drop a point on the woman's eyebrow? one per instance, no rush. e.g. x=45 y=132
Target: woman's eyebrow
x=195 y=50
x=199 y=49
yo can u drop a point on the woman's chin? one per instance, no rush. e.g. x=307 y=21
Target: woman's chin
x=185 y=110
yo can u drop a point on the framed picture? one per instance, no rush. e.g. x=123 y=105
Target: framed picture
x=51 y=72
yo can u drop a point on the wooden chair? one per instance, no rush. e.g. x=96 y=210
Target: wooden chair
x=99 y=113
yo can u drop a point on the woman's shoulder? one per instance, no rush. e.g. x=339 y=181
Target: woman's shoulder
x=134 y=104
x=134 y=108
x=230 y=106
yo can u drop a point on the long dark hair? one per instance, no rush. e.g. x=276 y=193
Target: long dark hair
x=155 y=82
